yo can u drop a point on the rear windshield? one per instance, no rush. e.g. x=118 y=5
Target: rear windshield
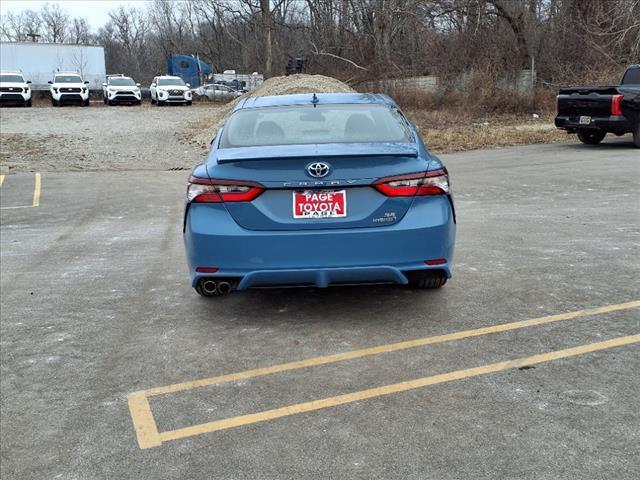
x=632 y=77
x=301 y=125
x=170 y=81
x=67 y=79
x=11 y=78
x=121 y=82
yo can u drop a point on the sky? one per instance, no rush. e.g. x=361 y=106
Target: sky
x=95 y=11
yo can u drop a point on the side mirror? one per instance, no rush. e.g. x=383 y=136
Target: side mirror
x=86 y=82
x=50 y=82
x=28 y=81
x=153 y=84
x=137 y=84
x=104 y=84
x=188 y=84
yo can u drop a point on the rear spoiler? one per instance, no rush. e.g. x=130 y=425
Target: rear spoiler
x=327 y=150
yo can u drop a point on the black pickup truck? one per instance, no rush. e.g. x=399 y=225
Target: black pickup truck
x=592 y=112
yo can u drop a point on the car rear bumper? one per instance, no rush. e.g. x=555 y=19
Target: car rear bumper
x=613 y=123
x=320 y=257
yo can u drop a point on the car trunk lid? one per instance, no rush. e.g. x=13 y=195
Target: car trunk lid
x=283 y=171
x=590 y=101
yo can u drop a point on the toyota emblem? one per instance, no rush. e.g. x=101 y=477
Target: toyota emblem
x=318 y=169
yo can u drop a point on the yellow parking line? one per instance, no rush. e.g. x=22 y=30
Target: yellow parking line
x=36 y=191
x=391 y=347
x=36 y=194
x=390 y=389
x=146 y=429
x=144 y=424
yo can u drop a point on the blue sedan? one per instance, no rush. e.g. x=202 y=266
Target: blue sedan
x=318 y=190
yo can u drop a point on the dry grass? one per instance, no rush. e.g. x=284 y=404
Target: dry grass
x=447 y=124
x=14 y=145
x=446 y=131
x=443 y=131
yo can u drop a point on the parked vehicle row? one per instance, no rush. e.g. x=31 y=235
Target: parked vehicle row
x=70 y=87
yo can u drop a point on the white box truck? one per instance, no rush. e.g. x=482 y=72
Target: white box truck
x=39 y=61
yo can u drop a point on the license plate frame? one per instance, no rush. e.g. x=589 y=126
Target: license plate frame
x=324 y=204
x=584 y=120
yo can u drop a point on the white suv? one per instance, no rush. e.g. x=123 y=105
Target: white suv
x=68 y=87
x=166 y=89
x=121 y=89
x=13 y=89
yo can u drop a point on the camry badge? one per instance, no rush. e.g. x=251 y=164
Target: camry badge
x=318 y=169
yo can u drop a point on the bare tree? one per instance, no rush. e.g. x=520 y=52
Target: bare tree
x=16 y=27
x=55 y=22
x=79 y=32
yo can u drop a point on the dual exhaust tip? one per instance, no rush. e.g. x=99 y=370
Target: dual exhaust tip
x=216 y=287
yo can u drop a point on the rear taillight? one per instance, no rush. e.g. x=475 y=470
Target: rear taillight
x=435 y=182
x=200 y=190
x=616 y=105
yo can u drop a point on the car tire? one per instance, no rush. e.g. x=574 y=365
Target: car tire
x=85 y=103
x=428 y=283
x=189 y=103
x=54 y=103
x=636 y=136
x=591 y=137
x=159 y=103
x=104 y=100
x=153 y=102
x=27 y=103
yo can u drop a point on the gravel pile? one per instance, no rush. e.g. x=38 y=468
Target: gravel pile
x=203 y=130
x=46 y=139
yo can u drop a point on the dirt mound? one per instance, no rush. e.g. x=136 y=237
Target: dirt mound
x=301 y=84
x=201 y=131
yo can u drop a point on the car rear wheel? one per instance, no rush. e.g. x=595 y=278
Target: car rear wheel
x=428 y=283
x=591 y=137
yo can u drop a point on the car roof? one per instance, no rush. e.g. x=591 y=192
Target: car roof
x=322 y=99
x=66 y=73
x=11 y=72
x=167 y=76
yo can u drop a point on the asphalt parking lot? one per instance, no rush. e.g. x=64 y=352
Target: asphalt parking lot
x=525 y=365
